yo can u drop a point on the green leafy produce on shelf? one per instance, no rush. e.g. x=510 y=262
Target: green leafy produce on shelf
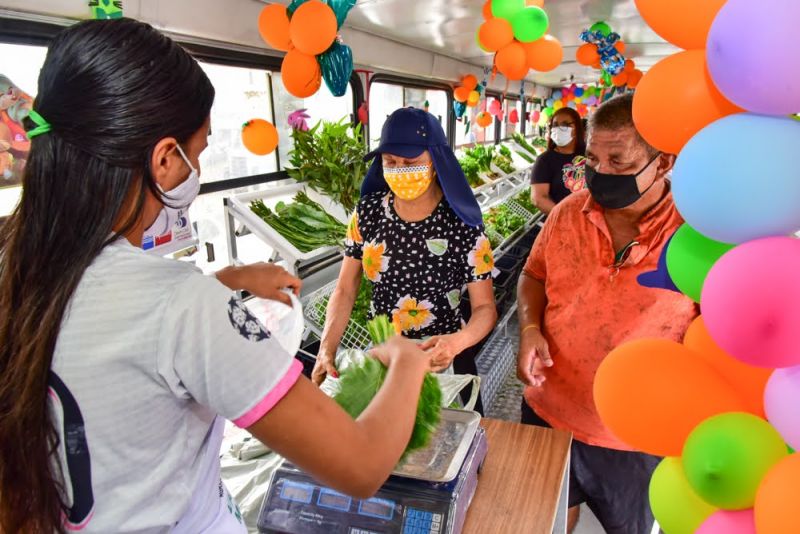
x=524 y=200
x=471 y=171
x=524 y=155
x=523 y=143
x=540 y=142
x=483 y=155
x=504 y=151
x=361 y=307
x=330 y=159
x=359 y=384
x=501 y=220
x=303 y=223
x=504 y=162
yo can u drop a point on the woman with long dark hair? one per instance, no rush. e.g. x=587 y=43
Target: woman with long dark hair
x=559 y=171
x=116 y=368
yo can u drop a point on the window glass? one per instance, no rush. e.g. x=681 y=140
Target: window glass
x=507 y=128
x=19 y=75
x=476 y=134
x=321 y=106
x=385 y=98
x=241 y=94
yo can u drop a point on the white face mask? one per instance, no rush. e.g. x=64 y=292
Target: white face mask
x=561 y=135
x=181 y=197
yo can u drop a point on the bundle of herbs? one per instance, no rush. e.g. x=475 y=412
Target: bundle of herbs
x=502 y=221
x=358 y=385
x=524 y=200
x=303 y=223
x=524 y=144
x=471 y=171
x=330 y=159
x=503 y=160
x=483 y=156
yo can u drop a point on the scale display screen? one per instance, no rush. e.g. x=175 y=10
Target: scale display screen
x=297 y=492
x=380 y=508
x=334 y=500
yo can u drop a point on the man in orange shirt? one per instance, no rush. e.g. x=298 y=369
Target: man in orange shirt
x=579 y=299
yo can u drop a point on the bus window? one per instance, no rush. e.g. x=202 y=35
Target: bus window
x=476 y=133
x=384 y=98
x=507 y=129
x=19 y=76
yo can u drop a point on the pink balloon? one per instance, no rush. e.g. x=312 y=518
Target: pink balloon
x=750 y=302
x=781 y=402
x=535 y=115
x=729 y=522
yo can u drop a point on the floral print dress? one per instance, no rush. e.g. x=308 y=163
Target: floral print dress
x=419 y=270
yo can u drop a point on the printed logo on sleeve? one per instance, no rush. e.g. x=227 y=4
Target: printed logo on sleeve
x=245 y=323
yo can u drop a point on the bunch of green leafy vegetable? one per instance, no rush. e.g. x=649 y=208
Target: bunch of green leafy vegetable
x=524 y=200
x=501 y=220
x=524 y=155
x=504 y=163
x=483 y=155
x=541 y=142
x=358 y=385
x=471 y=171
x=330 y=159
x=361 y=307
x=523 y=143
x=303 y=223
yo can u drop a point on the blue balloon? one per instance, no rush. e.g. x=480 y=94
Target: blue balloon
x=737 y=179
x=572 y=104
x=550 y=102
x=337 y=67
x=557 y=95
x=579 y=92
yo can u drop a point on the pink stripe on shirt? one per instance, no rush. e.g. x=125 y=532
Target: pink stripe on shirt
x=272 y=398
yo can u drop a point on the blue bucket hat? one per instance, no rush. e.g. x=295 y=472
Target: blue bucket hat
x=407 y=133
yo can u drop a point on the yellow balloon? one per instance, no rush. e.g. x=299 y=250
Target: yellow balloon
x=558 y=104
x=474 y=97
x=578 y=100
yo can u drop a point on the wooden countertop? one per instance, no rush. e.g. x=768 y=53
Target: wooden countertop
x=519 y=486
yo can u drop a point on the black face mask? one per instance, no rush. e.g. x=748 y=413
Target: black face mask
x=615 y=191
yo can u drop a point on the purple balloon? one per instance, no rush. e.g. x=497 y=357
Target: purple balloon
x=781 y=402
x=752 y=55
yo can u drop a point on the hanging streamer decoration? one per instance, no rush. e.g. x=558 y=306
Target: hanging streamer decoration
x=106 y=9
x=611 y=60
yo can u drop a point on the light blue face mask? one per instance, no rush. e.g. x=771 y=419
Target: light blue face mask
x=177 y=201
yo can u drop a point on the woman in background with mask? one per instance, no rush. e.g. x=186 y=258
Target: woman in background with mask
x=117 y=368
x=559 y=171
x=417 y=236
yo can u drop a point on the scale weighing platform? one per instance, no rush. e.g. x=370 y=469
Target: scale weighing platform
x=296 y=504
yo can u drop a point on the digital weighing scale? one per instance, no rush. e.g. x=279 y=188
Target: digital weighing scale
x=296 y=504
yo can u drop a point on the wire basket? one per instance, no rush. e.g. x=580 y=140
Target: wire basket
x=494 y=363
x=314 y=308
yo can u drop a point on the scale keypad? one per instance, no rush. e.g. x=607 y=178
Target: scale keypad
x=422 y=522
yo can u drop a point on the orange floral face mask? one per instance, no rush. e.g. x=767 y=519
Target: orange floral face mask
x=409 y=183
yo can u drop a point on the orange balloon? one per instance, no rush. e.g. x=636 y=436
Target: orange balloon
x=684 y=23
x=487 y=10
x=470 y=82
x=484 y=119
x=494 y=34
x=620 y=46
x=748 y=381
x=634 y=78
x=597 y=65
x=630 y=65
x=620 y=79
x=676 y=99
x=461 y=94
x=273 y=25
x=651 y=393
x=777 y=498
x=259 y=137
x=537 y=3
x=300 y=73
x=544 y=54
x=313 y=27
x=587 y=54
x=512 y=62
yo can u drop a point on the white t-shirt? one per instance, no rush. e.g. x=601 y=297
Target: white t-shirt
x=150 y=353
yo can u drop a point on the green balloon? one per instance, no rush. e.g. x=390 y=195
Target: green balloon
x=676 y=506
x=549 y=111
x=690 y=257
x=530 y=24
x=506 y=9
x=726 y=457
x=601 y=27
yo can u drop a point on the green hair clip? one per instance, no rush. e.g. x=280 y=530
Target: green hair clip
x=42 y=126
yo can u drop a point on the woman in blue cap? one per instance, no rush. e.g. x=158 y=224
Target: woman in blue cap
x=417 y=236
